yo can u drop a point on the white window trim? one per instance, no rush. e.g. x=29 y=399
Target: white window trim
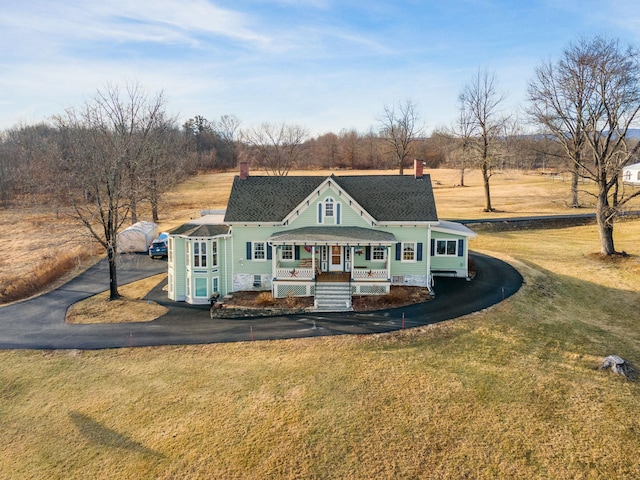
x=195 y=287
x=253 y=251
x=199 y=255
x=214 y=254
x=332 y=202
x=379 y=249
x=415 y=247
x=293 y=255
x=446 y=240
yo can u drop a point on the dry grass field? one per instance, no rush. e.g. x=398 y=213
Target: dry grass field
x=510 y=392
x=39 y=249
x=128 y=308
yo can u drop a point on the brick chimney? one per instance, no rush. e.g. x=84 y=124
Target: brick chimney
x=244 y=170
x=418 y=166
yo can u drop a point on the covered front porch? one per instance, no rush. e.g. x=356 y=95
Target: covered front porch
x=354 y=255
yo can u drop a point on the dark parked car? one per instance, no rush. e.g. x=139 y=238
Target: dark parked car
x=160 y=246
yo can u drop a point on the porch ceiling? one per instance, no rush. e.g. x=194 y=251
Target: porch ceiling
x=333 y=236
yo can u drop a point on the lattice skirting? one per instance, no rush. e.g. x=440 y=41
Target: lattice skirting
x=282 y=290
x=369 y=289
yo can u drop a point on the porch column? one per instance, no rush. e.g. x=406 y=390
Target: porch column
x=429 y=253
x=313 y=260
x=273 y=261
x=352 y=260
x=388 y=263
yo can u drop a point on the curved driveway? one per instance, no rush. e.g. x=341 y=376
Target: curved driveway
x=38 y=323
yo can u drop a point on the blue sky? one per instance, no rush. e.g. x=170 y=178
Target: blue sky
x=327 y=65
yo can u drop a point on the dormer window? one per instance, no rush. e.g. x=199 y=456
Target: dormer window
x=329 y=212
x=328 y=207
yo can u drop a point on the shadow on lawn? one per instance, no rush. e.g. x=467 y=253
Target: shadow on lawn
x=98 y=434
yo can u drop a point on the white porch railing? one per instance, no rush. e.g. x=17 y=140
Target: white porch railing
x=297 y=273
x=294 y=273
x=364 y=274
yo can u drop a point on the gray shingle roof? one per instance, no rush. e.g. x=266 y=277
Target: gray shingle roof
x=393 y=198
x=351 y=235
x=388 y=198
x=267 y=199
x=200 y=230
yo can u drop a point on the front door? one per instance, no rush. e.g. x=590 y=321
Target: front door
x=336 y=258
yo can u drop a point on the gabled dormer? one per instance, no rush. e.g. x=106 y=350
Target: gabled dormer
x=330 y=205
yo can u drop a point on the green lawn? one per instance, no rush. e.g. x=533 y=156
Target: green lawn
x=511 y=392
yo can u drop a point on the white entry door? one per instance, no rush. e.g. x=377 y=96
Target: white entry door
x=336 y=258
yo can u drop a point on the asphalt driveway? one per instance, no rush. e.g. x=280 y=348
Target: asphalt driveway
x=38 y=323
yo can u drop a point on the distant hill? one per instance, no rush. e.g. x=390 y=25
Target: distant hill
x=634 y=133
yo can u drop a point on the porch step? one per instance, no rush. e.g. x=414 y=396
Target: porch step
x=333 y=297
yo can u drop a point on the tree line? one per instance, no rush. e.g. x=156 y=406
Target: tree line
x=31 y=156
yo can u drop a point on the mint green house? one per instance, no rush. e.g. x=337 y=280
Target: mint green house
x=327 y=237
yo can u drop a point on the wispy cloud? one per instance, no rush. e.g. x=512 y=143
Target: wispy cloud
x=328 y=64
x=626 y=15
x=126 y=21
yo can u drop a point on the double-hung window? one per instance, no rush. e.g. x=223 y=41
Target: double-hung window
x=408 y=251
x=447 y=247
x=328 y=207
x=259 y=251
x=286 y=253
x=214 y=253
x=329 y=212
x=379 y=254
x=199 y=254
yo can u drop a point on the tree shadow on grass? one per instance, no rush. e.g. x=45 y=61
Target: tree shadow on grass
x=98 y=434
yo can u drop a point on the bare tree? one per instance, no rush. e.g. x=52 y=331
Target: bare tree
x=228 y=127
x=373 y=149
x=162 y=163
x=588 y=101
x=400 y=127
x=215 y=143
x=226 y=141
x=514 y=151
x=324 y=151
x=558 y=97
x=463 y=131
x=200 y=142
x=349 y=149
x=134 y=119
x=276 y=147
x=26 y=170
x=103 y=145
x=480 y=101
